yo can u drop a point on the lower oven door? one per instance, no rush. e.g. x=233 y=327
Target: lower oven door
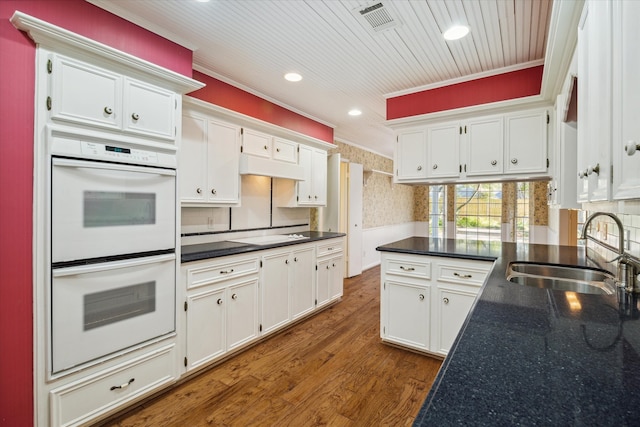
x=101 y=209
x=100 y=309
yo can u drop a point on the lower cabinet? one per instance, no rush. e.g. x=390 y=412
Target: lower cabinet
x=91 y=397
x=234 y=300
x=425 y=299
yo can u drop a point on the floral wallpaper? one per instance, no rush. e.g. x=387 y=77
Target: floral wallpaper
x=538 y=208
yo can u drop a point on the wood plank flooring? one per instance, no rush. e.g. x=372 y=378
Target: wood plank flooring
x=329 y=370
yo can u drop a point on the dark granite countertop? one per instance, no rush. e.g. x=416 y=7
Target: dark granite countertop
x=534 y=357
x=202 y=251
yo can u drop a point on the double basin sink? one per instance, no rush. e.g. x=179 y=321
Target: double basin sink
x=582 y=280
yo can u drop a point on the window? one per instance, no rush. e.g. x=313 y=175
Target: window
x=478 y=211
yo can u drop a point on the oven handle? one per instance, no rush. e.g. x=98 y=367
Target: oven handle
x=105 y=266
x=111 y=166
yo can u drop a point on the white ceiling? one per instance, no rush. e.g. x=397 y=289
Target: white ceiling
x=345 y=63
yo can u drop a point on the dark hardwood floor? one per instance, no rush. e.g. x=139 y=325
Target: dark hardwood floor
x=330 y=369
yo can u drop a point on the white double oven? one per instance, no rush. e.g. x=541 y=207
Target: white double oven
x=112 y=246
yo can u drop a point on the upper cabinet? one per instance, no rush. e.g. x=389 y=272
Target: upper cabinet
x=626 y=104
x=264 y=145
x=496 y=147
x=312 y=190
x=86 y=94
x=594 y=104
x=209 y=160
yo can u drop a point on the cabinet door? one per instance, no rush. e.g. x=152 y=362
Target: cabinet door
x=302 y=282
x=323 y=280
x=193 y=159
x=223 y=163
x=242 y=313
x=407 y=314
x=484 y=143
x=411 y=155
x=284 y=150
x=626 y=104
x=149 y=110
x=443 y=151
x=453 y=308
x=305 y=188
x=205 y=327
x=319 y=177
x=275 y=291
x=526 y=144
x=85 y=94
x=256 y=143
x=336 y=278
x=582 y=151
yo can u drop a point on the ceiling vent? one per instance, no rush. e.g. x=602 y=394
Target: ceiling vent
x=378 y=17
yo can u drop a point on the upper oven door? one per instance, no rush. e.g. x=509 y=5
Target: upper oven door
x=103 y=209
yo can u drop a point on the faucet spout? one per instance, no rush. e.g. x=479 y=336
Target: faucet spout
x=591 y=217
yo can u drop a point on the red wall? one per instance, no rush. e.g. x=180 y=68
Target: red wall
x=17 y=81
x=516 y=84
x=227 y=96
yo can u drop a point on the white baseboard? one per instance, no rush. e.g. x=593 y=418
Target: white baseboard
x=378 y=236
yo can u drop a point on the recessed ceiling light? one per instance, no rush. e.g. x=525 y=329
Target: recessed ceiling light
x=203 y=1
x=355 y=112
x=456 y=32
x=293 y=77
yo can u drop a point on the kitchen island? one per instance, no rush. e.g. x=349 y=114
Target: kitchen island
x=531 y=356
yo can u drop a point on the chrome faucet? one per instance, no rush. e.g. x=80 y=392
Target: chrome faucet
x=628 y=267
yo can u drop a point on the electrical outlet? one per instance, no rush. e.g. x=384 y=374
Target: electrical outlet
x=210 y=222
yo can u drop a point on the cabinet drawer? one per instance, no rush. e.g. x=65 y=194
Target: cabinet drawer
x=330 y=248
x=473 y=273
x=284 y=150
x=222 y=270
x=84 y=400
x=409 y=266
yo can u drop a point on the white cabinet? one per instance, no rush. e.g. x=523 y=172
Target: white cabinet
x=285 y=150
x=86 y=94
x=492 y=147
x=330 y=272
x=288 y=285
x=310 y=192
x=264 y=145
x=595 y=103
x=626 y=104
x=410 y=155
x=425 y=300
x=81 y=402
x=484 y=146
x=526 y=142
x=443 y=151
x=209 y=161
x=221 y=307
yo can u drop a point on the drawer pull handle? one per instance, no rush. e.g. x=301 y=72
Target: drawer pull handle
x=226 y=271
x=329 y=249
x=402 y=267
x=122 y=386
x=421 y=297
x=445 y=300
x=462 y=276
x=234 y=296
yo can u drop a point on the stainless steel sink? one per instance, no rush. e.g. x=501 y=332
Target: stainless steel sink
x=583 y=280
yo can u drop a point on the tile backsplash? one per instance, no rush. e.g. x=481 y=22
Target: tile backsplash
x=606 y=230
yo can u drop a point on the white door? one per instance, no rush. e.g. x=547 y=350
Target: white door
x=275 y=291
x=354 y=231
x=443 y=151
x=330 y=214
x=406 y=310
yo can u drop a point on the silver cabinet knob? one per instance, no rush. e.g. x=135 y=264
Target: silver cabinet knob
x=108 y=110
x=583 y=173
x=435 y=166
x=266 y=147
x=213 y=191
x=219 y=301
x=494 y=162
x=135 y=116
x=199 y=190
x=419 y=168
x=514 y=161
x=594 y=169
x=234 y=296
x=286 y=261
x=631 y=147
x=445 y=300
x=421 y=297
x=278 y=150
